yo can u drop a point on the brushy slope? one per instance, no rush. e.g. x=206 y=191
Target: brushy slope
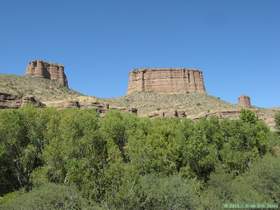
x=146 y=102
x=192 y=103
x=43 y=89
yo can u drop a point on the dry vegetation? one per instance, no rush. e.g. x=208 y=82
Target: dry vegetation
x=193 y=103
x=43 y=89
x=50 y=91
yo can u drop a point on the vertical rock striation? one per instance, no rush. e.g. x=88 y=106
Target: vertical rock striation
x=170 y=81
x=47 y=70
x=244 y=101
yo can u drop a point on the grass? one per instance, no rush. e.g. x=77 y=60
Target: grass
x=43 y=89
x=191 y=103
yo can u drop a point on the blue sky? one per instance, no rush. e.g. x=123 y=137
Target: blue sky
x=235 y=43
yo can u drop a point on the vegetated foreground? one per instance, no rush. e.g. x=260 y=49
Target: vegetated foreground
x=74 y=159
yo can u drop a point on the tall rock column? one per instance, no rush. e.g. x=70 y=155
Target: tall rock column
x=244 y=101
x=47 y=70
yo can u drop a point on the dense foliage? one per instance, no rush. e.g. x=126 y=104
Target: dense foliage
x=277 y=121
x=74 y=159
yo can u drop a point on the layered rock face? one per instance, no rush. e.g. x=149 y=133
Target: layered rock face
x=47 y=70
x=89 y=103
x=244 y=101
x=170 y=81
x=8 y=101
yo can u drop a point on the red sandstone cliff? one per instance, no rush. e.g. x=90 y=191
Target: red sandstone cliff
x=171 y=81
x=244 y=101
x=46 y=70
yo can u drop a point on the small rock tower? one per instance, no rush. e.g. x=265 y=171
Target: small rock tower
x=244 y=101
x=42 y=69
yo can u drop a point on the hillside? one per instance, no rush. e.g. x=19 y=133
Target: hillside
x=43 y=89
x=192 y=103
x=47 y=90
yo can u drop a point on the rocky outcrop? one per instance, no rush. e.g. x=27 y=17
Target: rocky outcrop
x=8 y=101
x=233 y=114
x=244 y=101
x=90 y=103
x=47 y=70
x=170 y=81
x=31 y=100
x=266 y=115
x=167 y=113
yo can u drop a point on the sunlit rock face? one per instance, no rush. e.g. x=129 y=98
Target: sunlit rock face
x=244 y=101
x=166 y=80
x=47 y=70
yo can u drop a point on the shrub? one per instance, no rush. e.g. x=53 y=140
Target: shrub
x=260 y=184
x=152 y=192
x=277 y=121
x=49 y=196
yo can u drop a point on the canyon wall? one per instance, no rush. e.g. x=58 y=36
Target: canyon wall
x=47 y=70
x=170 y=81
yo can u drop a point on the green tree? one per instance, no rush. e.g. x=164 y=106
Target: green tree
x=155 y=149
x=200 y=148
x=245 y=141
x=125 y=162
x=277 y=121
x=248 y=116
x=115 y=126
x=77 y=153
x=12 y=139
x=21 y=144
